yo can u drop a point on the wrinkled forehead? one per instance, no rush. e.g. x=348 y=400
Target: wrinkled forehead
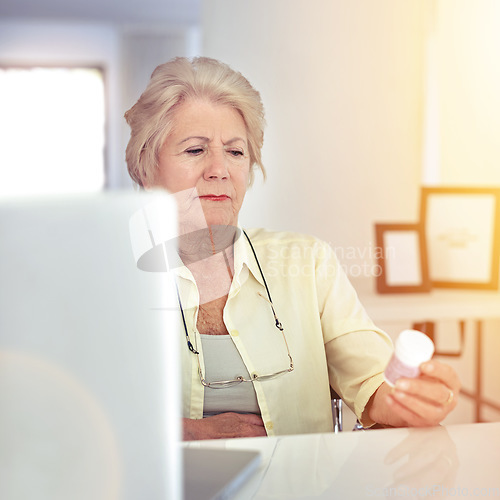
x=206 y=122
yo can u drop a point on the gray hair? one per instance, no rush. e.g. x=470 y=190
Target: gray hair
x=150 y=119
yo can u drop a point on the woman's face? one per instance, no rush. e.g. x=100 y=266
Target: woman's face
x=206 y=156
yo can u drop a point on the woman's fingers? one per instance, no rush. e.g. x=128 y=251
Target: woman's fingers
x=429 y=390
x=427 y=399
x=416 y=411
x=443 y=372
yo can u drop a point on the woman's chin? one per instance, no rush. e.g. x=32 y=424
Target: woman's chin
x=216 y=218
x=221 y=222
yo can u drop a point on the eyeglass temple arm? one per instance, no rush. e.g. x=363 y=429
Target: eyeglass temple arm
x=188 y=340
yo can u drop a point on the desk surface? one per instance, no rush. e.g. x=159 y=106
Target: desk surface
x=454 y=461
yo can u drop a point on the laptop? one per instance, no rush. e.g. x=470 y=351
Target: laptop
x=217 y=474
x=89 y=365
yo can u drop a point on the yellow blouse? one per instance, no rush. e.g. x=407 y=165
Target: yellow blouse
x=330 y=337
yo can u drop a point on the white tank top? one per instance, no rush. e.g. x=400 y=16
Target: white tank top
x=223 y=362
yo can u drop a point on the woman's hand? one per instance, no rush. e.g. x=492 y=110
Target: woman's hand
x=422 y=401
x=222 y=426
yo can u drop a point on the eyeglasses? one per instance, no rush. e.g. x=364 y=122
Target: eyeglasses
x=223 y=384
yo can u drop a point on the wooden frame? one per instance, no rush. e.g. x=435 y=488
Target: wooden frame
x=462 y=231
x=401 y=258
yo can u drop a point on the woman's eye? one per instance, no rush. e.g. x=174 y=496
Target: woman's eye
x=236 y=152
x=195 y=151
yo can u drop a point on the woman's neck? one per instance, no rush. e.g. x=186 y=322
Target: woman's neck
x=209 y=255
x=202 y=243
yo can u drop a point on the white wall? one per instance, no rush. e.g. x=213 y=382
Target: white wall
x=467 y=38
x=342 y=83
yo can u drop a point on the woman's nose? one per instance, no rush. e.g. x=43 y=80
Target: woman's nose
x=216 y=164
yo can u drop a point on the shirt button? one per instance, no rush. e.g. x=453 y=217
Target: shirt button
x=234 y=333
x=269 y=426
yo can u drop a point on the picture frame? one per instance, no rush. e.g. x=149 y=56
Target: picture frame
x=401 y=259
x=461 y=226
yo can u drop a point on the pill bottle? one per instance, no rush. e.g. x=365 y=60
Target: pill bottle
x=410 y=350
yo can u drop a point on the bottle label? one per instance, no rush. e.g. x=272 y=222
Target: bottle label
x=397 y=369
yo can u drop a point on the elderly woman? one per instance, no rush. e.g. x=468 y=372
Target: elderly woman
x=270 y=321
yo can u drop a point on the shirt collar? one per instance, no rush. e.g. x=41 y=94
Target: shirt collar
x=244 y=257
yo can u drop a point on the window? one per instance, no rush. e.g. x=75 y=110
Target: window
x=52 y=130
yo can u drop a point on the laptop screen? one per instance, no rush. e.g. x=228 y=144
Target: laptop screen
x=89 y=375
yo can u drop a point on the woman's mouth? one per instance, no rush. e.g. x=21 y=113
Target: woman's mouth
x=214 y=197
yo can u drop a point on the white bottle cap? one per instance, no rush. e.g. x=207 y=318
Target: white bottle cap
x=413 y=347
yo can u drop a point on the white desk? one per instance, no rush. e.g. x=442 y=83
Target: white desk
x=444 y=462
